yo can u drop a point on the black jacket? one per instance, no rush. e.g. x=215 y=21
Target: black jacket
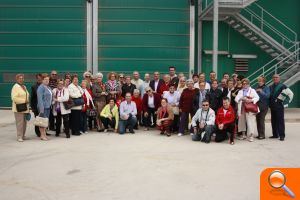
x=128 y=88
x=33 y=98
x=152 y=84
x=215 y=98
x=196 y=101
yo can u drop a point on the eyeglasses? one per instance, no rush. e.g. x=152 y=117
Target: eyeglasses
x=53 y=74
x=148 y=91
x=204 y=104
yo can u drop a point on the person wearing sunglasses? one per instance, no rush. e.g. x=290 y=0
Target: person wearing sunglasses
x=88 y=77
x=203 y=123
x=151 y=102
x=225 y=122
x=128 y=112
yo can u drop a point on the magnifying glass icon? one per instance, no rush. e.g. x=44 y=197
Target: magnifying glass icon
x=277 y=180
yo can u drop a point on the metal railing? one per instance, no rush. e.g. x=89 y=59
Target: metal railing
x=270 y=25
x=274 y=66
x=207 y=3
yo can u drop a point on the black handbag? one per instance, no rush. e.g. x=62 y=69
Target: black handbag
x=69 y=104
x=91 y=112
x=21 y=107
x=78 y=101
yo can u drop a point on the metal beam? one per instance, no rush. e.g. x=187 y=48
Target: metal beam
x=95 y=37
x=192 y=40
x=199 y=38
x=89 y=36
x=215 y=36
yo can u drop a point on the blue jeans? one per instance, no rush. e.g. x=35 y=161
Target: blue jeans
x=209 y=130
x=130 y=123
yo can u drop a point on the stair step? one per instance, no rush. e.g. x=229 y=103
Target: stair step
x=242 y=30
x=236 y=26
x=253 y=38
x=264 y=46
x=270 y=50
x=231 y=22
x=258 y=42
x=275 y=54
x=248 y=34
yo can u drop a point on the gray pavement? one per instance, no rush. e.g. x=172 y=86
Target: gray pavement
x=144 y=166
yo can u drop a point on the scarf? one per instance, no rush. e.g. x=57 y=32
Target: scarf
x=88 y=97
x=245 y=91
x=162 y=112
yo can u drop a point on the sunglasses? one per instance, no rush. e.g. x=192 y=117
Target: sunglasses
x=148 y=90
x=204 y=104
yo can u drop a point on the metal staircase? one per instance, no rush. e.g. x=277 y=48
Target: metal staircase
x=264 y=30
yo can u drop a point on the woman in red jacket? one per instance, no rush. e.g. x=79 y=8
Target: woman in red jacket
x=136 y=98
x=165 y=86
x=151 y=102
x=88 y=104
x=225 y=122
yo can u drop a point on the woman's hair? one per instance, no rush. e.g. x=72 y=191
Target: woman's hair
x=112 y=73
x=136 y=90
x=263 y=78
x=245 y=80
x=74 y=76
x=99 y=75
x=189 y=81
x=19 y=75
x=164 y=99
x=44 y=75
x=112 y=99
x=60 y=80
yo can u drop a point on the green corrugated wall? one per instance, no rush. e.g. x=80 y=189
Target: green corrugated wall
x=143 y=35
x=40 y=35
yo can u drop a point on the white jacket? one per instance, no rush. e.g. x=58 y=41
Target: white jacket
x=63 y=97
x=75 y=92
x=209 y=120
x=251 y=93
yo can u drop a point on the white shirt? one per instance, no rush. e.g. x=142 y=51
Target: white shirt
x=207 y=85
x=151 y=102
x=155 y=85
x=172 y=98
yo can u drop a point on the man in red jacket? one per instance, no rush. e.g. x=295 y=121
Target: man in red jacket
x=225 y=122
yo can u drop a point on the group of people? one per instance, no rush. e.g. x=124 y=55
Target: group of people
x=206 y=109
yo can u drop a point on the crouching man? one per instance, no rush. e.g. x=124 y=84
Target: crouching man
x=225 y=122
x=203 y=123
x=128 y=114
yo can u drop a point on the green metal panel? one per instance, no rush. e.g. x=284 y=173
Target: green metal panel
x=143 y=35
x=38 y=36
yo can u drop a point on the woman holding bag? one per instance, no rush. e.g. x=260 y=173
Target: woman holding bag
x=247 y=110
x=44 y=96
x=61 y=95
x=20 y=107
x=76 y=93
x=87 y=106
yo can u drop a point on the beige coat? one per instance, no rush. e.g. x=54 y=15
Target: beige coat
x=18 y=96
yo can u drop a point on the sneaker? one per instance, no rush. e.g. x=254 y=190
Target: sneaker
x=281 y=139
x=240 y=137
x=180 y=134
x=251 y=139
x=81 y=132
x=191 y=134
x=85 y=132
x=105 y=130
x=20 y=140
x=146 y=129
x=273 y=137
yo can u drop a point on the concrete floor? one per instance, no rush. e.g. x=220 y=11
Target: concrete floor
x=136 y=167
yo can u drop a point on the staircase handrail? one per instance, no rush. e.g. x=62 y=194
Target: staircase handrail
x=284 y=71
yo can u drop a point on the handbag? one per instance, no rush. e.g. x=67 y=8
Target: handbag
x=41 y=122
x=251 y=107
x=21 y=107
x=91 y=112
x=78 y=101
x=69 y=104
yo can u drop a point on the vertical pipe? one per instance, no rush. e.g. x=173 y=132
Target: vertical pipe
x=95 y=36
x=192 y=40
x=215 y=36
x=89 y=36
x=199 y=37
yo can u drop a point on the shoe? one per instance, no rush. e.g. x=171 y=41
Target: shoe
x=105 y=130
x=146 y=129
x=231 y=143
x=57 y=135
x=44 y=139
x=191 y=134
x=68 y=136
x=20 y=140
x=48 y=134
x=168 y=134
x=180 y=134
x=251 y=139
x=273 y=137
x=162 y=132
x=261 y=138
x=25 y=138
x=132 y=131
x=240 y=137
x=85 y=132
x=81 y=132
x=281 y=139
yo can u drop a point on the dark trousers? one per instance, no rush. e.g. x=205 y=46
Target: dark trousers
x=175 y=124
x=221 y=135
x=147 y=120
x=260 y=120
x=92 y=122
x=51 y=121
x=75 y=121
x=184 y=120
x=36 y=128
x=130 y=123
x=66 y=123
x=277 y=120
x=107 y=122
x=83 y=122
x=209 y=129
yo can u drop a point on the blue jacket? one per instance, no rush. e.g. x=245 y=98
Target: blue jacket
x=264 y=96
x=44 y=96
